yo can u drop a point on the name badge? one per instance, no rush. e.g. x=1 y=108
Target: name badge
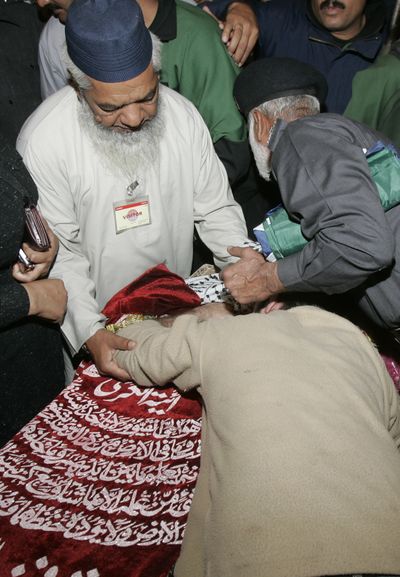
x=129 y=215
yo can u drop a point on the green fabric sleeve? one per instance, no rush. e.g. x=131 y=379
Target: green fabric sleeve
x=197 y=65
x=372 y=89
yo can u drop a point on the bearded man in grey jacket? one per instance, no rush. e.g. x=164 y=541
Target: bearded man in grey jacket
x=319 y=162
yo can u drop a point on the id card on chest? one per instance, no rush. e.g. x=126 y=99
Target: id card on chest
x=131 y=213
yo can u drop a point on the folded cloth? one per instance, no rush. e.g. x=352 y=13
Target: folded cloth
x=158 y=291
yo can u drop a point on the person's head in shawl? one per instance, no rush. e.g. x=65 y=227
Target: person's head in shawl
x=109 y=57
x=276 y=88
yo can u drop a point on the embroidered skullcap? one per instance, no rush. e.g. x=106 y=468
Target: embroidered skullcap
x=107 y=39
x=269 y=78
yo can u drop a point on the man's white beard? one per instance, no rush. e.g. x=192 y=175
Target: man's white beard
x=262 y=155
x=127 y=153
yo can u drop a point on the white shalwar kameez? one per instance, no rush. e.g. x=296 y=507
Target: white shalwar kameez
x=187 y=185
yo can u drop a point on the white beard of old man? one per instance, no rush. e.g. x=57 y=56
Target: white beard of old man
x=261 y=153
x=124 y=152
x=127 y=152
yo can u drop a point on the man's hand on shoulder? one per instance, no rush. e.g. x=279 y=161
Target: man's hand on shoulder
x=102 y=346
x=239 y=31
x=252 y=278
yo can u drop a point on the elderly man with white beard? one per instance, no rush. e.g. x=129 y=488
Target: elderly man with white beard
x=125 y=168
x=320 y=164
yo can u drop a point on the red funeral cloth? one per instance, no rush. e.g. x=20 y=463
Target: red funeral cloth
x=156 y=292
x=100 y=483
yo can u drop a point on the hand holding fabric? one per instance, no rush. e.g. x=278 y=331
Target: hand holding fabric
x=251 y=279
x=102 y=347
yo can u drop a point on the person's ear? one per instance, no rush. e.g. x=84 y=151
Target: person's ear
x=262 y=126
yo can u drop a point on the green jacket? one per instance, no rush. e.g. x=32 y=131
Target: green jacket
x=375 y=99
x=197 y=65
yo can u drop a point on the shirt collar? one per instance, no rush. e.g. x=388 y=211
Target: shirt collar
x=164 y=23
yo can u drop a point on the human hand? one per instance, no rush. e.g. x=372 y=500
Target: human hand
x=41 y=259
x=102 y=346
x=239 y=31
x=252 y=278
x=47 y=299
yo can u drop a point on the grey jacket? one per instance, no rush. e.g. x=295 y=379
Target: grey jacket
x=325 y=183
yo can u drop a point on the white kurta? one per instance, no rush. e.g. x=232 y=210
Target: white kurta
x=53 y=71
x=186 y=185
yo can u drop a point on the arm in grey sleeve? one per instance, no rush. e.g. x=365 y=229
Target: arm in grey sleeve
x=83 y=317
x=219 y=219
x=325 y=181
x=163 y=354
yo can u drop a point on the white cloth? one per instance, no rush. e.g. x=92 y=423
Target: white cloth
x=211 y=289
x=187 y=185
x=53 y=71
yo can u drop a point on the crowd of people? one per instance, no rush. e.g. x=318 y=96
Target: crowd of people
x=165 y=125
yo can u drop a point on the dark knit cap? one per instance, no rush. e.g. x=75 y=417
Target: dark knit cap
x=270 y=78
x=107 y=39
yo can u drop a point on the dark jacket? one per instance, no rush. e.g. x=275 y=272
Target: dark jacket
x=31 y=363
x=20 y=29
x=288 y=28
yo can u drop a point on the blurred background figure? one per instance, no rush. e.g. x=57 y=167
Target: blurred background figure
x=337 y=37
x=375 y=99
x=20 y=28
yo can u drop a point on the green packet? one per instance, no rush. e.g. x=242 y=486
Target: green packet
x=284 y=236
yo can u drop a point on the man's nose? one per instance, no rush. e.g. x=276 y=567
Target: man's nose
x=43 y=3
x=133 y=116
